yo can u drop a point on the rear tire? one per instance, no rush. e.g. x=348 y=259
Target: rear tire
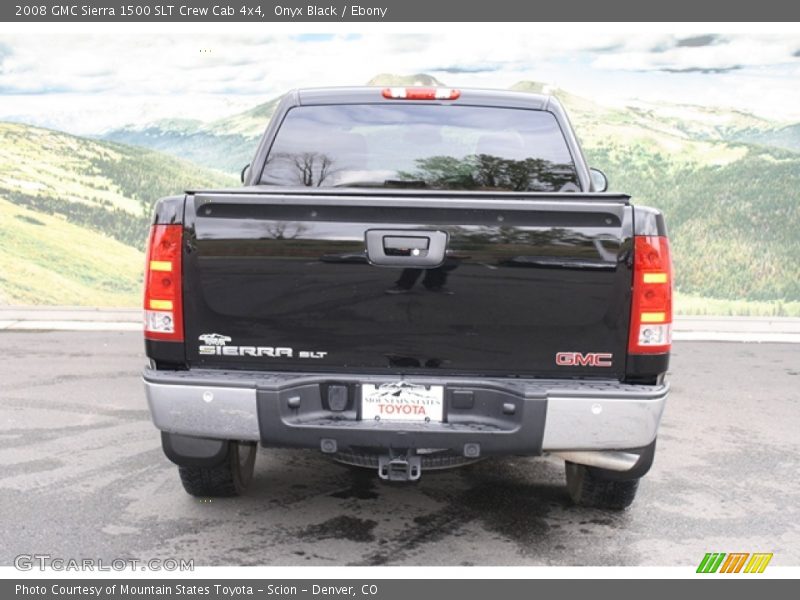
x=587 y=487
x=228 y=478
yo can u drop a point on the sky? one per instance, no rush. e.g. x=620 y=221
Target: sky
x=92 y=83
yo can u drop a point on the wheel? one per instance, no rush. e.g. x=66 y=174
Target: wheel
x=588 y=487
x=229 y=478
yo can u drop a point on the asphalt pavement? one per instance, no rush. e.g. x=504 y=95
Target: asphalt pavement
x=82 y=475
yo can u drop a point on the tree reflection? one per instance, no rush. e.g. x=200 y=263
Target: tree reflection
x=472 y=172
x=490 y=172
x=309 y=169
x=285 y=230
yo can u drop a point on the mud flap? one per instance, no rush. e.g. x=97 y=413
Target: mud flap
x=190 y=451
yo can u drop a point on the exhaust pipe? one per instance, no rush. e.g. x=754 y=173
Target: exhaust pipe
x=612 y=460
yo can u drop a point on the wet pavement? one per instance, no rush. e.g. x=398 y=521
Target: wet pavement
x=82 y=475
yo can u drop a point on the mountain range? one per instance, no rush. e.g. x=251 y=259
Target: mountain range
x=228 y=143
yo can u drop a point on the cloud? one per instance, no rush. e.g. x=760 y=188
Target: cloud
x=710 y=70
x=410 y=43
x=458 y=69
x=176 y=78
x=5 y=53
x=609 y=48
x=313 y=37
x=697 y=41
x=267 y=64
x=703 y=54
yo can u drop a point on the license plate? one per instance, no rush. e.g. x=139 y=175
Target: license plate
x=402 y=401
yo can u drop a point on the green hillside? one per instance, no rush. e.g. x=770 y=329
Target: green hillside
x=726 y=180
x=732 y=208
x=74 y=215
x=787 y=137
x=733 y=226
x=45 y=259
x=226 y=144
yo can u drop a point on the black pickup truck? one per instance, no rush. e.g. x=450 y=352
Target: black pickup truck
x=410 y=279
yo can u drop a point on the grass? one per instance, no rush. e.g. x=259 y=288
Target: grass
x=74 y=214
x=46 y=260
x=690 y=305
x=34 y=159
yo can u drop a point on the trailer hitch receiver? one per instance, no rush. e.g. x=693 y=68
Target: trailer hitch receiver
x=400 y=467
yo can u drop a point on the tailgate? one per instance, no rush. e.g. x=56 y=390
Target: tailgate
x=466 y=283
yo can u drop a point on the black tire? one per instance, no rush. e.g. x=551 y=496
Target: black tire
x=229 y=478
x=587 y=487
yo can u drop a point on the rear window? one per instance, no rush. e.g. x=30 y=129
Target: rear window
x=444 y=147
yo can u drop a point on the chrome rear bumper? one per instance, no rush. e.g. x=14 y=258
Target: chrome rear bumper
x=548 y=415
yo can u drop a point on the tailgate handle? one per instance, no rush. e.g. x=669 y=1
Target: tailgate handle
x=406 y=248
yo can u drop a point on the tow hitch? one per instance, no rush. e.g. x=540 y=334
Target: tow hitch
x=400 y=467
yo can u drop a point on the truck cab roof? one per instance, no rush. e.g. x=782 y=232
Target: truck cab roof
x=469 y=96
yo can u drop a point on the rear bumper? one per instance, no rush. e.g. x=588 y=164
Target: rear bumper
x=487 y=416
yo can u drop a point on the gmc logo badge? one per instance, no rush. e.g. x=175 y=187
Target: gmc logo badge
x=580 y=359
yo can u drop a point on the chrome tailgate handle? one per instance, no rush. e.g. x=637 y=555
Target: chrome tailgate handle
x=406 y=248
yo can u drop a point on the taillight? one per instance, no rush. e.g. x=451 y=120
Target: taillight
x=163 y=300
x=420 y=93
x=651 y=309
